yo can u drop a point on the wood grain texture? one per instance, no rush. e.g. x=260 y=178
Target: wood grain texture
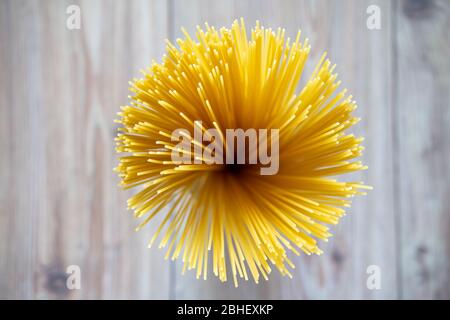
x=60 y=205
x=423 y=147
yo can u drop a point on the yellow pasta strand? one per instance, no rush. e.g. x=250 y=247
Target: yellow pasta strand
x=232 y=220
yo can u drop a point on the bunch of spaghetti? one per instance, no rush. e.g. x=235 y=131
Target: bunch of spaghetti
x=227 y=218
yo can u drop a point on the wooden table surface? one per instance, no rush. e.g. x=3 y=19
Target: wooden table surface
x=60 y=90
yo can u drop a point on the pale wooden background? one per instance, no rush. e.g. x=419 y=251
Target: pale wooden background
x=60 y=90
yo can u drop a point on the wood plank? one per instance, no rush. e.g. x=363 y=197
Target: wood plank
x=188 y=16
x=423 y=148
x=363 y=59
x=217 y=14
x=364 y=65
x=20 y=171
x=64 y=208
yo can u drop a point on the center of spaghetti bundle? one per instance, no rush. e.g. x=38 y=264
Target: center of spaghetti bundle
x=237 y=149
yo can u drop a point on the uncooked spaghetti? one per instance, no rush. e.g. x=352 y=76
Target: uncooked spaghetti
x=229 y=218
